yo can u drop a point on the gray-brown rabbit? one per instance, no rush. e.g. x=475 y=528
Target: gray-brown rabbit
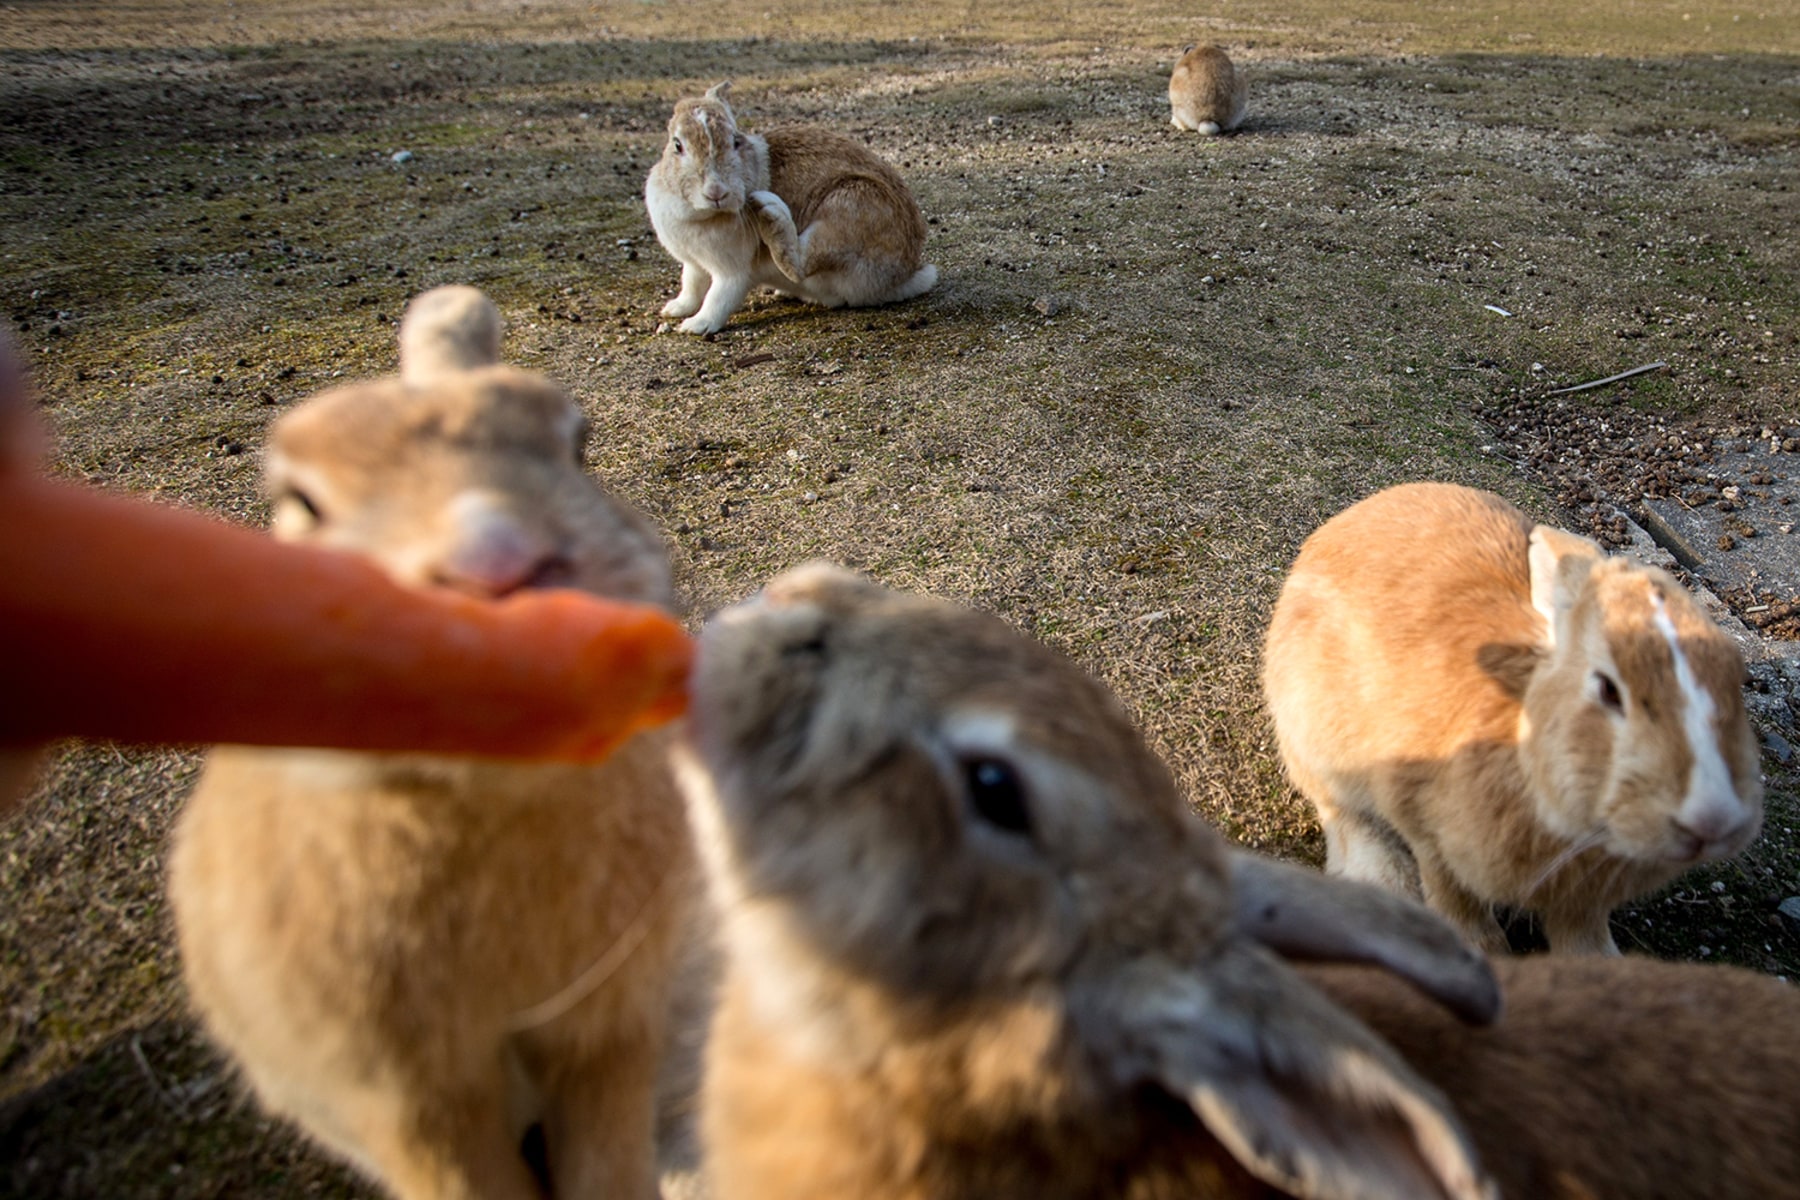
x=805 y=211
x=978 y=946
x=1207 y=94
x=418 y=958
x=1489 y=711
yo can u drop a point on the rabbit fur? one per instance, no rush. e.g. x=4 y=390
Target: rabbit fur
x=417 y=958
x=1487 y=712
x=1612 y=1078
x=978 y=946
x=805 y=211
x=1206 y=93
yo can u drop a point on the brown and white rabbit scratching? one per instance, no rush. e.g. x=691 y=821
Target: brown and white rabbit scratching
x=1487 y=711
x=979 y=946
x=1207 y=93
x=805 y=211
x=417 y=958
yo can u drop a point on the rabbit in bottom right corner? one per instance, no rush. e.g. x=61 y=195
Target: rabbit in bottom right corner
x=1207 y=94
x=978 y=945
x=1488 y=712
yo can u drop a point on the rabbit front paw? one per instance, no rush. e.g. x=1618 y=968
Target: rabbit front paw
x=771 y=207
x=702 y=323
x=682 y=306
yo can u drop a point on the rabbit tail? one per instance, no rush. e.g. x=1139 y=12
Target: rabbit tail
x=922 y=281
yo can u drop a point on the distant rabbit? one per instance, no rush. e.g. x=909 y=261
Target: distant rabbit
x=805 y=211
x=978 y=946
x=1487 y=711
x=418 y=958
x=1206 y=93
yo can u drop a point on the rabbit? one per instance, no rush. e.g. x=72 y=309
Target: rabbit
x=977 y=945
x=417 y=959
x=1487 y=711
x=805 y=211
x=1206 y=93
x=1623 y=1078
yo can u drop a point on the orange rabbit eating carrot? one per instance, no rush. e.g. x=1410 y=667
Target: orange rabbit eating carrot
x=417 y=957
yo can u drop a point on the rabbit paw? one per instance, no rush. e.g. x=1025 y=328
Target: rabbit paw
x=681 y=306
x=771 y=207
x=702 y=324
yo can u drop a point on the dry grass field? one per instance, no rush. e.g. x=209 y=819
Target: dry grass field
x=1154 y=364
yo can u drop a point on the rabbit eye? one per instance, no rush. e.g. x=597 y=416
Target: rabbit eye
x=1607 y=692
x=811 y=647
x=737 y=141
x=996 y=795
x=675 y=145
x=296 y=496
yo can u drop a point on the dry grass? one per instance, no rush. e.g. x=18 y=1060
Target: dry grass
x=203 y=224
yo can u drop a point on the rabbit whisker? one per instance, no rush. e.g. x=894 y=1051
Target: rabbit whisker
x=597 y=972
x=1569 y=853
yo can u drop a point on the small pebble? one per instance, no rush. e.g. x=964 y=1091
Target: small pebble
x=403 y=156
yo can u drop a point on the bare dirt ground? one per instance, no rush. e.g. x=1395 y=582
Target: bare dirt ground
x=1154 y=363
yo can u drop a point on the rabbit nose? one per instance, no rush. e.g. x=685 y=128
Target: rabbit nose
x=715 y=192
x=493 y=568
x=492 y=554
x=1703 y=833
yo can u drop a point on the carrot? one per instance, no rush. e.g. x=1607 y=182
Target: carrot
x=140 y=622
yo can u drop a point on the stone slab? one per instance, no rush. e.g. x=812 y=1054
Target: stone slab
x=1756 y=544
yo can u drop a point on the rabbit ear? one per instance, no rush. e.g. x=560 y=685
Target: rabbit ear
x=448 y=330
x=1559 y=562
x=1301 y=914
x=1187 y=48
x=718 y=90
x=1298 y=1092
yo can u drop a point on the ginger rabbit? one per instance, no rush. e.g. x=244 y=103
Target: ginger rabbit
x=417 y=958
x=1207 y=94
x=1487 y=711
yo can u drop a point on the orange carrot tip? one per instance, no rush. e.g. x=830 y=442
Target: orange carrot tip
x=136 y=621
